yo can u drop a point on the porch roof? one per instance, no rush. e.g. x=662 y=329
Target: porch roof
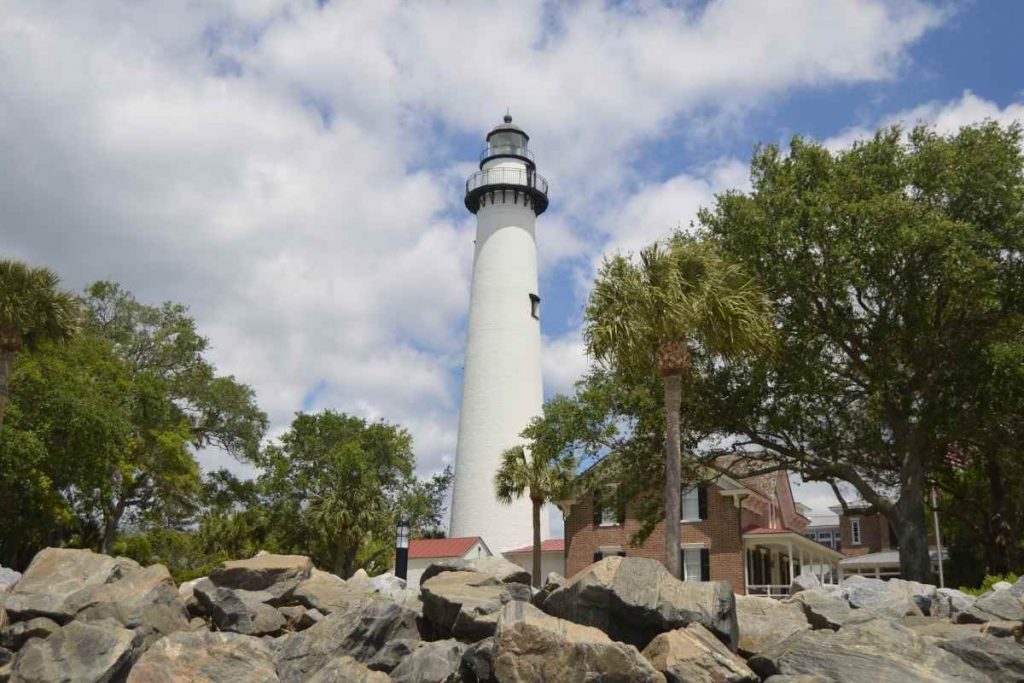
x=790 y=538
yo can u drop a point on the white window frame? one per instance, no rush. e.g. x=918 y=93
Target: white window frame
x=690 y=550
x=691 y=496
x=854 y=531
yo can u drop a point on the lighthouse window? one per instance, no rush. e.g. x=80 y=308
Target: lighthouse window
x=535 y=306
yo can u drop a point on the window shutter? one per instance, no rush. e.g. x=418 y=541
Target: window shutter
x=597 y=509
x=622 y=512
x=598 y=556
x=682 y=565
x=705 y=563
x=702 y=502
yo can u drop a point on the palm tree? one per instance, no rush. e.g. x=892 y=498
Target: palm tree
x=544 y=479
x=32 y=310
x=681 y=297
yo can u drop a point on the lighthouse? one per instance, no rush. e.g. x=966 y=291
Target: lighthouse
x=501 y=381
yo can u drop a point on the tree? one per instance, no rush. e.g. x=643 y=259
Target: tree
x=32 y=309
x=681 y=298
x=544 y=475
x=896 y=271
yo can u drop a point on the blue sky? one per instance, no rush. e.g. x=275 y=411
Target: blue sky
x=292 y=170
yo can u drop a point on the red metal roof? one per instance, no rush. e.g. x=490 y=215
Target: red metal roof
x=763 y=530
x=549 y=546
x=423 y=548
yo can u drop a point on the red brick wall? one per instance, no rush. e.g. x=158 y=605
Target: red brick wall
x=874 y=534
x=720 y=533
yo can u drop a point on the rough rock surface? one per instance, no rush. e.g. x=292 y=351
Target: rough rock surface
x=878 y=596
x=347 y=670
x=804 y=582
x=8 y=577
x=360 y=629
x=57 y=573
x=204 y=657
x=1001 y=604
x=634 y=599
x=532 y=646
x=240 y=611
x=498 y=567
x=553 y=582
x=1001 y=658
x=694 y=655
x=465 y=605
x=392 y=654
x=14 y=635
x=822 y=609
x=766 y=621
x=478 y=662
x=952 y=604
x=95 y=652
x=324 y=592
x=436 y=662
x=276 y=574
x=878 y=650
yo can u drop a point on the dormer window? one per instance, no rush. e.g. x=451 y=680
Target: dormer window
x=535 y=306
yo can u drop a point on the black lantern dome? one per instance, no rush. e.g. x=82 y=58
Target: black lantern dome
x=507 y=141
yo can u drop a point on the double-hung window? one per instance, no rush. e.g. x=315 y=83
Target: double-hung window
x=694 y=504
x=855 y=531
x=695 y=564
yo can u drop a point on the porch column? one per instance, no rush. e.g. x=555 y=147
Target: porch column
x=789 y=553
x=801 y=550
x=746 y=570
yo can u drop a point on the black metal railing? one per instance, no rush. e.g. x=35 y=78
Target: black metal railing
x=506 y=150
x=507 y=176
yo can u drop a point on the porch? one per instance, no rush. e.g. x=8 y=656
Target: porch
x=772 y=557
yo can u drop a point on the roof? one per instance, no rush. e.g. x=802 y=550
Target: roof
x=885 y=558
x=552 y=545
x=507 y=127
x=423 y=548
x=795 y=536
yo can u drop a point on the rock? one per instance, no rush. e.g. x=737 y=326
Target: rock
x=198 y=624
x=694 y=655
x=300 y=618
x=465 y=605
x=874 y=594
x=1005 y=629
x=348 y=670
x=142 y=599
x=95 y=652
x=551 y=584
x=949 y=603
x=186 y=592
x=8 y=577
x=766 y=621
x=324 y=592
x=878 y=650
x=1002 y=585
x=392 y=654
x=1001 y=658
x=436 y=662
x=240 y=611
x=634 y=599
x=822 y=609
x=360 y=629
x=204 y=657
x=275 y=574
x=387 y=583
x=478 y=662
x=1001 y=604
x=795 y=679
x=498 y=567
x=938 y=629
x=532 y=646
x=17 y=633
x=921 y=594
x=57 y=573
x=804 y=582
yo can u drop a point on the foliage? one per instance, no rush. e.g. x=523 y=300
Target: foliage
x=987 y=583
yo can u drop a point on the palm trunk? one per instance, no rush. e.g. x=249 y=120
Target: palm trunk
x=673 y=479
x=6 y=366
x=536 y=543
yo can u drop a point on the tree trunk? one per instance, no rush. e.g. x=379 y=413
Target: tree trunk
x=536 y=543
x=340 y=557
x=912 y=531
x=673 y=481
x=111 y=520
x=999 y=539
x=6 y=365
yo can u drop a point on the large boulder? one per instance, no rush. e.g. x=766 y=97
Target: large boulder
x=465 y=605
x=822 y=609
x=347 y=670
x=8 y=577
x=1001 y=658
x=57 y=573
x=881 y=598
x=694 y=655
x=804 y=582
x=324 y=592
x=143 y=599
x=392 y=654
x=923 y=595
x=13 y=636
x=553 y=582
x=949 y=603
x=532 y=646
x=498 y=567
x=81 y=652
x=998 y=604
x=204 y=657
x=766 y=621
x=478 y=662
x=634 y=599
x=359 y=629
x=878 y=650
x=436 y=662
x=275 y=574
x=240 y=611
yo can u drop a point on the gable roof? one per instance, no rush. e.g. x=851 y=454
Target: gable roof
x=424 y=548
x=551 y=545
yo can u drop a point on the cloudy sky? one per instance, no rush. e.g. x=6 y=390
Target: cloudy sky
x=293 y=170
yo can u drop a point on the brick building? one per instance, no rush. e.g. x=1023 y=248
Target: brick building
x=869 y=543
x=747 y=531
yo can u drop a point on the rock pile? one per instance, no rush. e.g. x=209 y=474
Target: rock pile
x=79 y=616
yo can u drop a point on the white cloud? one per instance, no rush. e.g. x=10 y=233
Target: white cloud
x=291 y=173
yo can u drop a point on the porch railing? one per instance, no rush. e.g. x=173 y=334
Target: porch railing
x=771 y=590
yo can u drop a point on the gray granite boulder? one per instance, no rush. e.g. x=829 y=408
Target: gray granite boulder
x=694 y=655
x=393 y=653
x=498 y=567
x=81 y=652
x=532 y=646
x=465 y=605
x=204 y=657
x=324 y=592
x=13 y=636
x=359 y=629
x=436 y=662
x=240 y=611
x=865 y=593
x=8 y=577
x=804 y=582
x=1001 y=658
x=478 y=662
x=949 y=603
x=634 y=599
x=998 y=604
x=879 y=651
x=57 y=573
x=553 y=582
x=347 y=670
x=278 y=575
x=766 y=621
x=822 y=609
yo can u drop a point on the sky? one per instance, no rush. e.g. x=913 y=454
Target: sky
x=292 y=171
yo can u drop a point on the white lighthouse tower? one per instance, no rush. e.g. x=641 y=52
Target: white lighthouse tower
x=501 y=384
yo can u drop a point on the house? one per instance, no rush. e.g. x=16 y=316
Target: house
x=425 y=551
x=869 y=543
x=552 y=557
x=747 y=531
